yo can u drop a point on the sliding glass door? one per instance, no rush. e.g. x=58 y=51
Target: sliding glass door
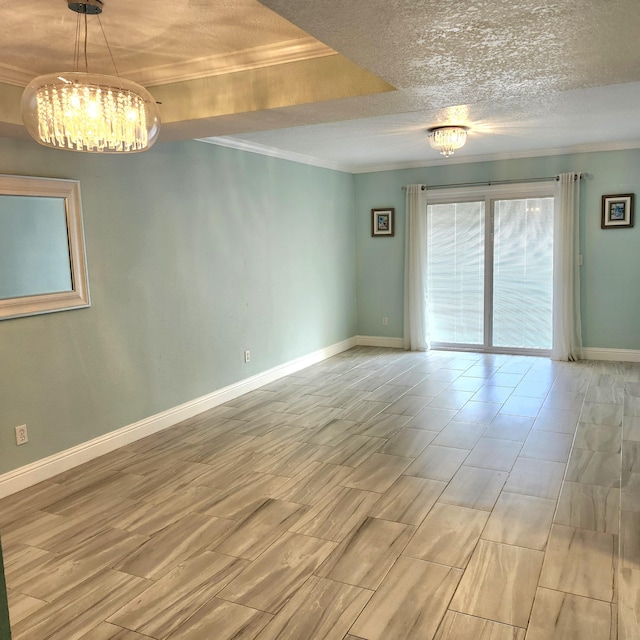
x=490 y=269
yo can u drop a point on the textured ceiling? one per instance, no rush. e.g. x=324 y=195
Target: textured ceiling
x=356 y=84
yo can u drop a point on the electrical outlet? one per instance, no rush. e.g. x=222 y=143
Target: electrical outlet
x=247 y=356
x=385 y=321
x=21 y=434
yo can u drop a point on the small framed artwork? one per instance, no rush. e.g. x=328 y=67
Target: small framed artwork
x=382 y=222
x=617 y=211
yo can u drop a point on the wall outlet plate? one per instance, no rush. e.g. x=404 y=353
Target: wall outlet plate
x=22 y=437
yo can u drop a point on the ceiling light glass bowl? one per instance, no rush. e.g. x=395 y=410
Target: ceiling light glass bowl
x=447 y=139
x=90 y=112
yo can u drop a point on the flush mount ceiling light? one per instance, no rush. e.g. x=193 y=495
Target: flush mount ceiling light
x=86 y=111
x=447 y=139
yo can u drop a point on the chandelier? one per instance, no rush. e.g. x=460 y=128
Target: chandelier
x=89 y=112
x=447 y=139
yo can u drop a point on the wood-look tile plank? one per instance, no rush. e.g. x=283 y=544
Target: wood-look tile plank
x=409 y=603
x=354 y=451
x=81 y=609
x=364 y=410
x=547 y=445
x=597 y=437
x=483 y=412
x=43 y=530
x=505 y=427
x=557 y=420
x=106 y=631
x=589 y=506
x=432 y=419
x=237 y=501
x=384 y=425
x=166 y=605
x=520 y=520
x=629 y=540
x=377 y=473
x=312 y=484
x=594 y=467
x=365 y=556
x=499 y=583
x=408 y=443
x=541 y=478
x=259 y=529
x=35 y=498
x=459 y=626
x=437 y=463
x=460 y=435
x=408 y=405
x=341 y=510
x=408 y=500
x=491 y=393
x=579 y=561
x=295 y=459
x=490 y=453
x=231 y=622
x=270 y=581
x=602 y=413
x=22 y=606
x=629 y=604
x=333 y=433
x=433 y=540
x=570 y=617
x=51 y=576
x=474 y=488
x=527 y=407
x=175 y=544
x=321 y=610
x=451 y=399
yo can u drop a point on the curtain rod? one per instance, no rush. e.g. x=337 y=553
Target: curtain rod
x=494 y=182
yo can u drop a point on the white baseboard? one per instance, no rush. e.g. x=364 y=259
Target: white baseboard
x=588 y=353
x=27 y=476
x=619 y=355
x=379 y=341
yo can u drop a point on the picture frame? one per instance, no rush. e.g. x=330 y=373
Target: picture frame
x=382 y=222
x=617 y=211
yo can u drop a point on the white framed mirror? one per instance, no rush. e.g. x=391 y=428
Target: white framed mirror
x=43 y=265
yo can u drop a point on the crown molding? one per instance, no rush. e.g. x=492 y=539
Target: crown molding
x=273 y=152
x=534 y=153
x=15 y=76
x=233 y=62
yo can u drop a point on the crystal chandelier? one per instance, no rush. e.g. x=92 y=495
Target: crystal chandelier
x=89 y=112
x=447 y=139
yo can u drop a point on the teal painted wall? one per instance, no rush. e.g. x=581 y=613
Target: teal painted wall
x=610 y=277
x=195 y=253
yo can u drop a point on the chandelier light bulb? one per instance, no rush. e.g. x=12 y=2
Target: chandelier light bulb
x=447 y=139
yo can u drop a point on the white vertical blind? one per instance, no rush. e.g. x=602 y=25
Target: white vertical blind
x=523 y=273
x=455 y=238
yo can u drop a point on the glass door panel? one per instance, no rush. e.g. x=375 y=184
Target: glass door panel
x=523 y=273
x=455 y=255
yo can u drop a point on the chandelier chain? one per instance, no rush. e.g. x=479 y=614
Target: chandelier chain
x=86 y=60
x=108 y=47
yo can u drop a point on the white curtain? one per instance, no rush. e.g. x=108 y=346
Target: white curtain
x=567 y=332
x=416 y=329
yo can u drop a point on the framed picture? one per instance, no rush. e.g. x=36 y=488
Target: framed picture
x=617 y=211
x=382 y=222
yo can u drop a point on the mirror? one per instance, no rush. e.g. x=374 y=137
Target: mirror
x=42 y=255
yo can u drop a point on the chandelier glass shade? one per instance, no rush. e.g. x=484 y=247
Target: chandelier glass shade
x=447 y=139
x=90 y=112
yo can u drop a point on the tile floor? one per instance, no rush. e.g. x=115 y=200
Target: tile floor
x=378 y=495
